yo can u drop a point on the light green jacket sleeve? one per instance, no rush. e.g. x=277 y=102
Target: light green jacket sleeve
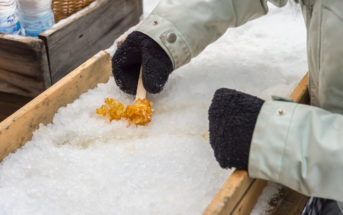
x=183 y=28
x=299 y=146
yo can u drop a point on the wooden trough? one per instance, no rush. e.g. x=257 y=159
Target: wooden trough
x=28 y=66
x=237 y=196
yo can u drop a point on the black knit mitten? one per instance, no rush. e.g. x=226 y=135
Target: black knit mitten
x=232 y=117
x=139 y=49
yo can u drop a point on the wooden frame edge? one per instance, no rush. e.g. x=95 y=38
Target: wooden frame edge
x=301 y=94
x=237 y=196
x=42 y=108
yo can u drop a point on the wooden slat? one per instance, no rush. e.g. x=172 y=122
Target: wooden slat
x=250 y=198
x=9 y=103
x=236 y=195
x=76 y=40
x=301 y=94
x=24 y=66
x=17 y=129
x=23 y=81
x=230 y=198
x=287 y=202
x=13 y=89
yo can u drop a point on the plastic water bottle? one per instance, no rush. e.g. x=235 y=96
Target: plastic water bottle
x=9 y=21
x=36 y=16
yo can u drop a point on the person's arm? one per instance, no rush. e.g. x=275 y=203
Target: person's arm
x=184 y=28
x=296 y=145
x=299 y=146
x=175 y=32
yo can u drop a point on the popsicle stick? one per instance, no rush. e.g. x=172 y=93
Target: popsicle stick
x=141 y=92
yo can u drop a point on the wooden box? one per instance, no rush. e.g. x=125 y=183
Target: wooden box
x=28 y=66
x=237 y=196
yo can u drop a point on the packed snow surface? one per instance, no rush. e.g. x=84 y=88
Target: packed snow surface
x=82 y=164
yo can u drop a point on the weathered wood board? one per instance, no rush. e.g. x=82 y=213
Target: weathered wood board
x=28 y=66
x=232 y=197
x=287 y=202
x=9 y=103
x=24 y=68
x=237 y=196
x=79 y=38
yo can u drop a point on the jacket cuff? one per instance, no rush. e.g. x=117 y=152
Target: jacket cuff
x=168 y=37
x=269 y=142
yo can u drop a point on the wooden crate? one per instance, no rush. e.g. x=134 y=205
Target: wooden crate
x=237 y=196
x=9 y=103
x=28 y=66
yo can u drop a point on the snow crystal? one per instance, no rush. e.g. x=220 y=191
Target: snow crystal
x=82 y=164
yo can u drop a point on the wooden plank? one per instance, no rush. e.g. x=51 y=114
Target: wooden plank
x=230 y=198
x=250 y=198
x=9 y=103
x=17 y=129
x=77 y=39
x=301 y=94
x=24 y=66
x=287 y=202
x=236 y=195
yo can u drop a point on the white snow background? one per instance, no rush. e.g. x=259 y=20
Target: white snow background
x=82 y=164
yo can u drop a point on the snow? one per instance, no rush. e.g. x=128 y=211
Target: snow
x=262 y=206
x=82 y=164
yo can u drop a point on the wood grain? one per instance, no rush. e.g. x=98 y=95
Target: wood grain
x=78 y=39
x=17 y=129
x=250 y=198
x=24 y=66
x=287 y=202
x=9 y=103
x=230 y=198
x=301 y=94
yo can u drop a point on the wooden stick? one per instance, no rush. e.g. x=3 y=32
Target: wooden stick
x=141 y=92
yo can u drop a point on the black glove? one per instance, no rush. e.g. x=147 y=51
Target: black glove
x=232 y=117
x=139 y=49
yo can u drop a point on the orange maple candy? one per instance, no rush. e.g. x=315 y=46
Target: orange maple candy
x=140 y=113
x=112 y=109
